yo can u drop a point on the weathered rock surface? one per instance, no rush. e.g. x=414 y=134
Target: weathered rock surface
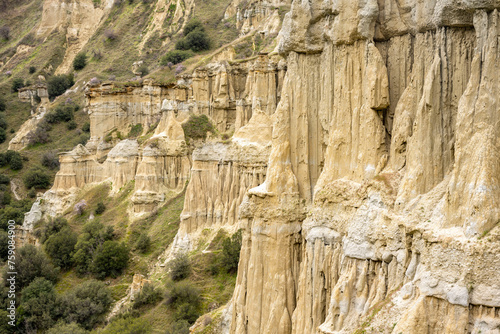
x=381 y=177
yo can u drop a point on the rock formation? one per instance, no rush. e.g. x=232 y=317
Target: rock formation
x=381 y=177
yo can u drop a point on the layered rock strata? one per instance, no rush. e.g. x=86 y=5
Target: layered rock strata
x=381 y=181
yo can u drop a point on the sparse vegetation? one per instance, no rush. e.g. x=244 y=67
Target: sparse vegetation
x=58 y=84
x=100 y=208
x=80 y=61
x=185 y=300
x=36 y=177
x=179 y=267
x=197 y=127
x=149 y=296
x=17 y=83
x=61 y=247
x=175 y=57
x=143 y=243
x=50 y=160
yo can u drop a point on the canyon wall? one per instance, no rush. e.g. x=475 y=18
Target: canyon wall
x=379 y=207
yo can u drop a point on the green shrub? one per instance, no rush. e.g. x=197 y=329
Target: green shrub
x=51 y=227
x=32 y=69
x=94 y=234
x=11 y=213
x=3 y=123
x=181 y=45
x=197 y=127
x=135 y=131
x=195 y=37
x=83 y=139
x=15 y=160
x=62 y=113
x=30 y=264
x=149 y=296
x=180 y=267
x=80 y=61
x=17 y=83
x=110 y=259
x=5 y=33
x=192 y=25
x=58 y=84
x=231 y=248
x=32 y=193
x=38 y=304
x=87 y=304
x=86 y=127
x=197 y=40
x=175 y=57
x=143 y=69
x=143 y=243
x=64 y=328
x=3 y=106
x=100 y=208
x=185 y=300
x=3 y=135
x=178 y=327
x=4 y=179
x=4 y=245
x=71 y=125
x=37 y=178
x=61 y=247
x=128 y=325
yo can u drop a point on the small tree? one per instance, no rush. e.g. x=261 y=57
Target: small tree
x=61 y=247
x=51 y=227
x=192 y=25
x=5 y=33
x=4 y=245
x=2 y=104
x=143 y=243
x=231 y=252
x=110 y=259
x=198 y=40
x=30 y=264
x=71 y=125
x=149 y=295
x=58 y=84
x=100 y=208
x=143 y=69
x=32 y=69
x=86 y=304
x=86 y=127
x=17 y=83
x=15 y=160
x=180 y=267
x=3 y=135
x=64 y=328
x=80 y=61
x=36 y=178
x=185 y=300
x=174 y=57
x=38 y=304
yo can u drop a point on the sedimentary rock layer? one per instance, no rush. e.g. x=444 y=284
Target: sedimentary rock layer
x=381 y=177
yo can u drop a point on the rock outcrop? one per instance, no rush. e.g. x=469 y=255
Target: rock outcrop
x=381 y=177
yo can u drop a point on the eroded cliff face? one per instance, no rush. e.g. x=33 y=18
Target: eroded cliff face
x=157 y=157
x=382 y=175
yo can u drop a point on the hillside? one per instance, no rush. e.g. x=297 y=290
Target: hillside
x=250 y=167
